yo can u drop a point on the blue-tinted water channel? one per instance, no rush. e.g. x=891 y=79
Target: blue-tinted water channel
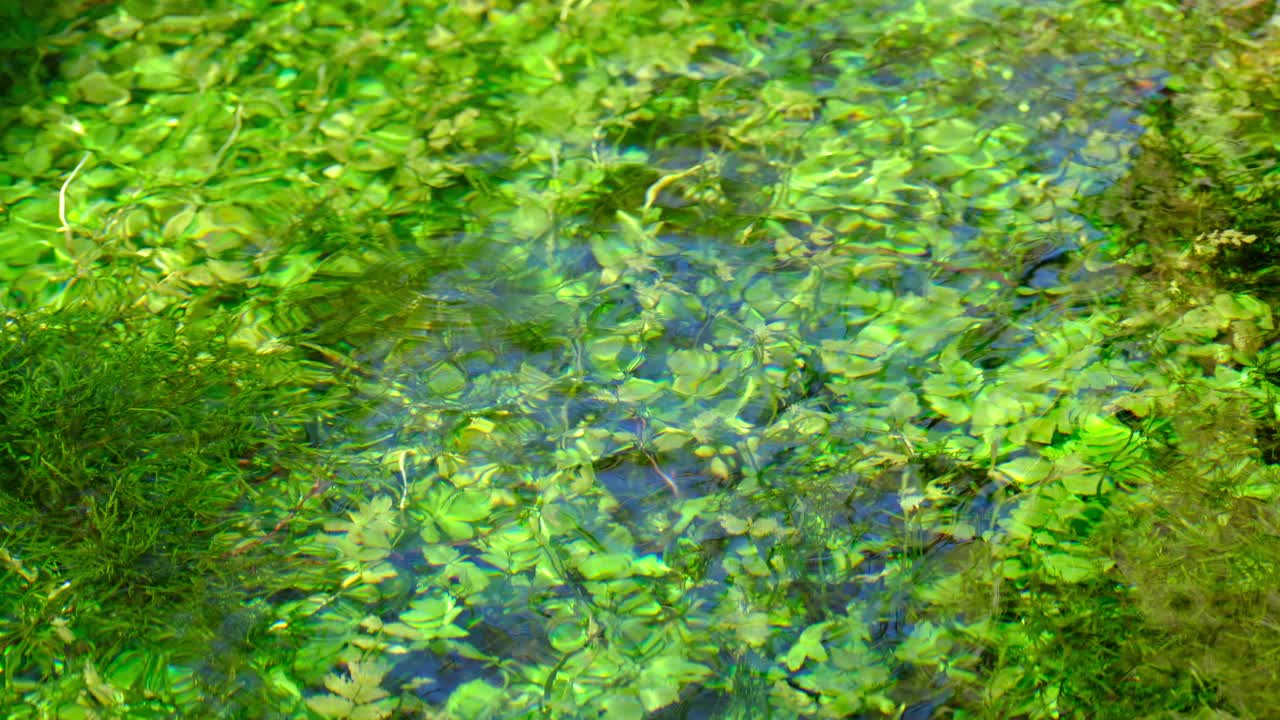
x=1013 y=274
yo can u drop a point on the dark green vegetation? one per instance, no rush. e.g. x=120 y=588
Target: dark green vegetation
x=614 y=358
x=129 y=446
x=29 y=35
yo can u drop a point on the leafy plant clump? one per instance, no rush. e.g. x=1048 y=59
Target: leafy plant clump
x=128 y=444
x=1193 y=538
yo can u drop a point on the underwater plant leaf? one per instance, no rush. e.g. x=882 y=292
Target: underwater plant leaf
x=1026 y=470
x=1072 y=568
x=638 y=390
x=606 y=566
x=808 y=646
x=1085 y=482
x=362 y=683
x=927 y=645
x=649 y=565
x=475 y=699
x=662 y=678
x=102 y=691
x=623 y=707
x=447 y=380
x=741 y=351
x=429 y=618
x=753 y=628
x=691 y=368
x=331 y=706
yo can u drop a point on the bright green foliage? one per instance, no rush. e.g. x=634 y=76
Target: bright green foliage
x=619 y=358
x=357 y=696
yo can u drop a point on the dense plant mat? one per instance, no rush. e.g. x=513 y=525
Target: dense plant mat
x=630 y=359
x=140 y=454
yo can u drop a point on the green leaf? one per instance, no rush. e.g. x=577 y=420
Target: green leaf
x=753 y=628
x=127 y=668
x=429 y=618
x=606 y=566
x=604 y=355
x=623 y=706
x=1258 y=491
x=100 y=89
x=530 y=220
x=475 y=699
x=1026 y=470
x=904 y=406
x=876 y=339
x=330 y=706
x=470 y=505
x=362 y=684
x=957 y=411
x=101 y=690
x=446 y=380
x=638 y=390
x=733 y=525
x=567 y=637
x=158 y=72
x=649 y=565
x=293 y=269
x=379 y=710
x=927 y=645
x=807 y=647
x=1085 y=483
x=615 y=256
x=1072 y=568
x=838 y=357
x=660 y=682
x=691 y=368
x=955 y=136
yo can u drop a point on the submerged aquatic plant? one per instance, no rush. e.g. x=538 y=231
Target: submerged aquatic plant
x=131 y=446
x=720 y=360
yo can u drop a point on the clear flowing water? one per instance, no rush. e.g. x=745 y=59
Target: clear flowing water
x=630 y=359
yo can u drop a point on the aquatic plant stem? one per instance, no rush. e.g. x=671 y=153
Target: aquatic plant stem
x=62 y=203
x=318 y=488
x=231 y=139
x=675 y=489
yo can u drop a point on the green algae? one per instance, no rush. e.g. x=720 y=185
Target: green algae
x=133 y=446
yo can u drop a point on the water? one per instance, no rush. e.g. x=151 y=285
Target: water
x=629 y=360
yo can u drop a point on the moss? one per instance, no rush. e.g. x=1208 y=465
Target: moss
x=127 y=446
